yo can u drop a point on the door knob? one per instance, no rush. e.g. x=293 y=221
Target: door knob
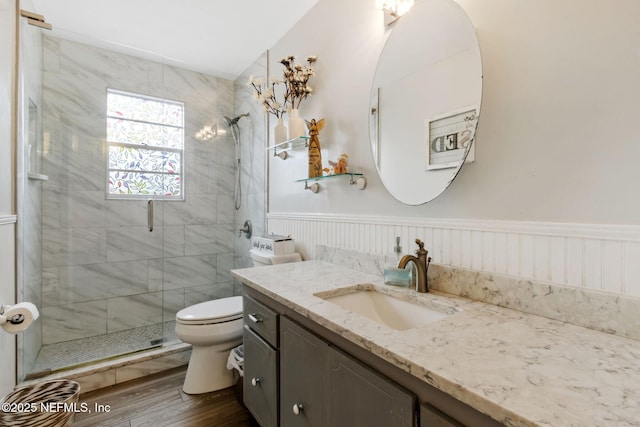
x=255 y=381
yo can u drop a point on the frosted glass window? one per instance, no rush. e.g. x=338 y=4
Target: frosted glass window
x=146 y=147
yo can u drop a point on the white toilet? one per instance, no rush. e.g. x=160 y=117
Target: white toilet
x=213 y=328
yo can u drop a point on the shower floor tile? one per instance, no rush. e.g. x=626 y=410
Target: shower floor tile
x=53 y=357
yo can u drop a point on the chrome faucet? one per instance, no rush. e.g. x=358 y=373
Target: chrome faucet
x=422 y=265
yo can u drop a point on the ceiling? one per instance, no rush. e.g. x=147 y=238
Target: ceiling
x=218 y=37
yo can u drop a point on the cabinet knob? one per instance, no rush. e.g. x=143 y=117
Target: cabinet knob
x=297 y=408
x=254 y=318
x=255 y=381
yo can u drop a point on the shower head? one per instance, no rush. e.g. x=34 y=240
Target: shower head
x=208 y=132
x=234 y=121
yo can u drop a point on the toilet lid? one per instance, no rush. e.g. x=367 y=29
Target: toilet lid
x=215 y=311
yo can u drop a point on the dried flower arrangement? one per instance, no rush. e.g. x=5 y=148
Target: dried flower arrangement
x=296 y=80
x=266 y=95
x=296 y=86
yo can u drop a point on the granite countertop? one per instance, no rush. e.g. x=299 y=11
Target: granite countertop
x=518 y=368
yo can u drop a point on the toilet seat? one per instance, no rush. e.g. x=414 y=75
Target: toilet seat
x=215 y=311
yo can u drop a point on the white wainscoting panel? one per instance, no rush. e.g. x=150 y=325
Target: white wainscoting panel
x=7 y=296
x=598 y=257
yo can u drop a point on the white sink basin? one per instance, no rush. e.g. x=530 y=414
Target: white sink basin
x=393 y=312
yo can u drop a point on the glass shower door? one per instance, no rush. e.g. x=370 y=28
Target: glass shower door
x=146 y=135
x=101 y=268
x=29 y=184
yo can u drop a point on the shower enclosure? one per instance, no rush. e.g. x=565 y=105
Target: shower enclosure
x=125 y=217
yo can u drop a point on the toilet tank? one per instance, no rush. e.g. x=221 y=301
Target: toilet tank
x=261 y=258
x=273 y=244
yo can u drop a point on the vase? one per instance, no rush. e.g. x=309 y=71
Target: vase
x=296 y=124
x=279 y=132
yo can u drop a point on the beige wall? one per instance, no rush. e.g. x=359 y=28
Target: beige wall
x=7 y=224
x=556 y=139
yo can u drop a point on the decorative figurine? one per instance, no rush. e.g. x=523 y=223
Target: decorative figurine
x=315 y=157
x=341 y=165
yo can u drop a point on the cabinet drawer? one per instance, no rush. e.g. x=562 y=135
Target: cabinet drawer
x=262 y=320
x=260 y=381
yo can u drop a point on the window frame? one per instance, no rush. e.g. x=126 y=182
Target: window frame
x=143 y=146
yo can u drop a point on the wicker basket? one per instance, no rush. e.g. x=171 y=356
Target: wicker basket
x=38 y=397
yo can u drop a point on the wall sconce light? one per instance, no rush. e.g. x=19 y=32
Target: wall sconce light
x=393 y=9
x=208 y=132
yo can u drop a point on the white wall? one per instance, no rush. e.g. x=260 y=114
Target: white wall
x=7 y=219
x=552 y=195
x=556 y=139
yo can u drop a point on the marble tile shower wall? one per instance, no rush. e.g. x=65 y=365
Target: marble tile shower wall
x=252 y=145
x=103 y=271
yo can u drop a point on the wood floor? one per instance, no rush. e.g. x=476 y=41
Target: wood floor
x=158 y=400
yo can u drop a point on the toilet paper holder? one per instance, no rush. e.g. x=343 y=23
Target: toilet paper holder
x=16 y=319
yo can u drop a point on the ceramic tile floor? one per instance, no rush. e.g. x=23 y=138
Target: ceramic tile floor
x=66 y=354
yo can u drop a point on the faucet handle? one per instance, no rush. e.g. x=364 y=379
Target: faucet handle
x=420 y=250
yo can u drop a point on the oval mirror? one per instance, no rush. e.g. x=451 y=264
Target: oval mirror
x=425 y=101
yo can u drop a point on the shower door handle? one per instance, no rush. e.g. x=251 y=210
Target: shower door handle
x=150 y=215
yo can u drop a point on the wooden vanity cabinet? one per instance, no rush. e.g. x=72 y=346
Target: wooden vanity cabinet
x=261 y=363
x=302 y=376
x=431 y=417
x=325 y=380
x=360 y=397
x=321 y=386
x=260 y=381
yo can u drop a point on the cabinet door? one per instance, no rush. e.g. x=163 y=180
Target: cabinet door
x=260 y=381
x=431 y=417
x=302 y=376
x=360 y=397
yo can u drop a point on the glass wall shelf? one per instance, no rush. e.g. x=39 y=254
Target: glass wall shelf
x=357 y=179
x=280 y=149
